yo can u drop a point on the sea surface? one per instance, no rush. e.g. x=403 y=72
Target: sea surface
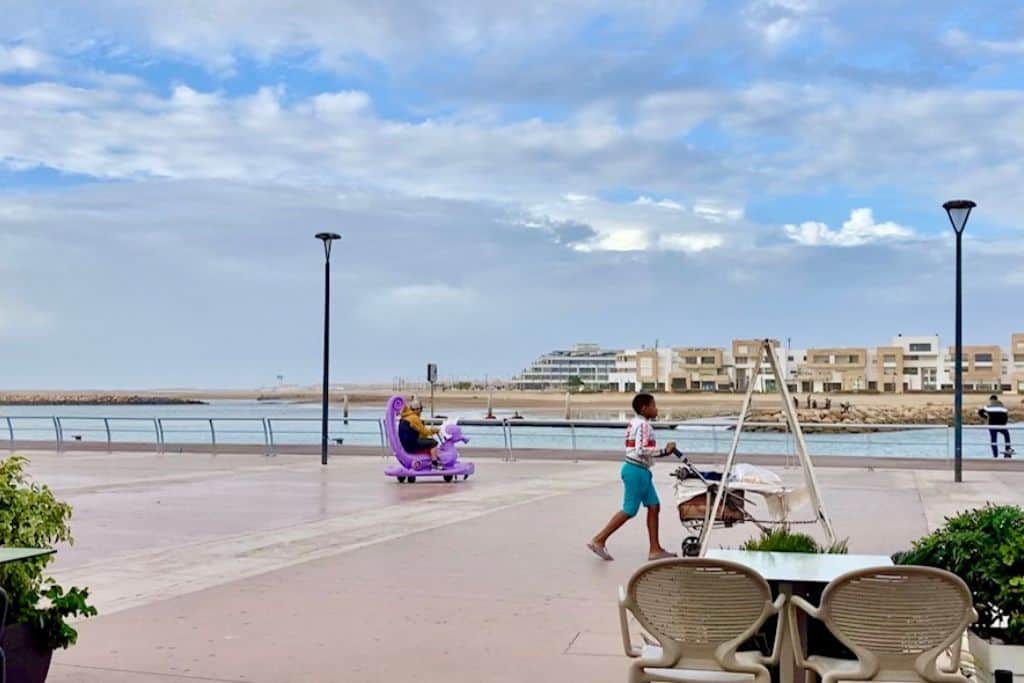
x=262 y=422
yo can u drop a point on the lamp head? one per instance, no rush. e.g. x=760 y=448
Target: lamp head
x=959 y=210
x=327 y=238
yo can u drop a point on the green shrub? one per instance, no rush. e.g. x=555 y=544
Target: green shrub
x=785 y=541
x=985 y=548
x=32 y=517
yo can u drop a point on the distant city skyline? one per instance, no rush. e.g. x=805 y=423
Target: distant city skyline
x=507 y=178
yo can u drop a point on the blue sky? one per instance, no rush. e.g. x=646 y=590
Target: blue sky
x=508 y=178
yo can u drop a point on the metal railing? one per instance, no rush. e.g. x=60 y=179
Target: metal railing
x=509 y=434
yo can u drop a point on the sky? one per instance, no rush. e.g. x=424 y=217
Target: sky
x=508 y=178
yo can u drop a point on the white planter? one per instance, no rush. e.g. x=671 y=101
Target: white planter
x=989 y=657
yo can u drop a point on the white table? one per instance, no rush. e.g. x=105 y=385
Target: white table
x=790 y=573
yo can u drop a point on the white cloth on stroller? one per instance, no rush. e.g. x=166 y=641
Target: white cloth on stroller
x=779 y=500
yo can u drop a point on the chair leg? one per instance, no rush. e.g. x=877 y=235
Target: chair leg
x=810 y=676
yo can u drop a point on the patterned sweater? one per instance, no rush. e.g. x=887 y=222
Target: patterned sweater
x=641 y=448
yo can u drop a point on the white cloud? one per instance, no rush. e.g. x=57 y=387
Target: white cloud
x=859 y=230
x=964 y=42
x=717 y=212
x=335 y=31
x=690 y=242
x=21 y=58
x=645 y=224
x=623 y=239
x=663 y=203
x=778 y=22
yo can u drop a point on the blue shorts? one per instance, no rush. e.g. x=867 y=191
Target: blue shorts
x=639 y=488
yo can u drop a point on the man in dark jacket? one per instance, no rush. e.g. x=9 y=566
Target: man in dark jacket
x=997 y=416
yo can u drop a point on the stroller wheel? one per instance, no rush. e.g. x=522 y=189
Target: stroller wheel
x=412 y=480
x=448 y=478
x=691 y=546
x=465 y=477
x=401 y=480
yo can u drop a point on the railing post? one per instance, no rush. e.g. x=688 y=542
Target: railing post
x=511 y=448
x=58 y=434
x=10 y=432
x=714 y=437
x=163 y=439
x=213 y=436
x=156 y=430
x=270 y=433
x=572 y=435
x=266 y=438
x=106 y=427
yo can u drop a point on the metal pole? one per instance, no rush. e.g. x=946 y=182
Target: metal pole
x=327 y=341
x=958 y=371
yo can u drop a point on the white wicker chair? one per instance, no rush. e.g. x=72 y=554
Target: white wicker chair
x=700 y=612
x=897 y=621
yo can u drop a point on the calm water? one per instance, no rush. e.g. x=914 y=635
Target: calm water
x=298 y=423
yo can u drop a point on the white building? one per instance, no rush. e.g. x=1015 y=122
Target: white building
x=591 y=364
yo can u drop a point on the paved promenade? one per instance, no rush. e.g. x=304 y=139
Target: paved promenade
x=272 y=570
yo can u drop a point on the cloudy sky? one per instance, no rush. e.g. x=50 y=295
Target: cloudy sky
x=508 y=178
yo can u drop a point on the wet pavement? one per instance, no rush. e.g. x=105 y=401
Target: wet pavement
x=272 y=570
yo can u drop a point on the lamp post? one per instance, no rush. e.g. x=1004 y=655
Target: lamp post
x=958 y=210
x=327 y=238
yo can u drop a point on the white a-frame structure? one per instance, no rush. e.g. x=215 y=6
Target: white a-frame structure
x=767 y=350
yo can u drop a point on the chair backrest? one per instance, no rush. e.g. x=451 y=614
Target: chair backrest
x=391 y=413
x=902 y=617
x=699 y=603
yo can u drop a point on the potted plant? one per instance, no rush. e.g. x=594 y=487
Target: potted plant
x=783 y=540
x=36 y=623
x=984 y=547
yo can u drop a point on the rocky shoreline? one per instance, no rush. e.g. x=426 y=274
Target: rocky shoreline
x=95 y=400
x=874 y=418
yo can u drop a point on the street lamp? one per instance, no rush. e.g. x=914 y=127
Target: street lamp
x=327 y=238
x=958 y=210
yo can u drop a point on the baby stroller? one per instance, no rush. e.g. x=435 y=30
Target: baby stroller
x=695 y=497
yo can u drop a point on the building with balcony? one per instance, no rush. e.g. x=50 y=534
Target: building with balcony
x=833 y=369
x=744 y=357
x=1015 y=363
x=907 y=364
x=982 y=368
x=590 y=363
x=699 y=368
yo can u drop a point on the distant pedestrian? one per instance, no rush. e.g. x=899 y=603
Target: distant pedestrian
x=828 y=403
x=809 y=400
x=637 y=481
x=844 y=407
x=796 y=403
x=814 y=404
x=996 y=414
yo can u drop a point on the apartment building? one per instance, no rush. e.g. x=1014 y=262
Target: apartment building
x=698 y=368
x=590 y=363
x=982 y=368
x=833 y=369
x=1015 y=363
x=744 y=357
x=906 y=364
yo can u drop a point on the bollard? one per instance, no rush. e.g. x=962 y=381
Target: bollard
x=490 y=404
x=344 y=411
